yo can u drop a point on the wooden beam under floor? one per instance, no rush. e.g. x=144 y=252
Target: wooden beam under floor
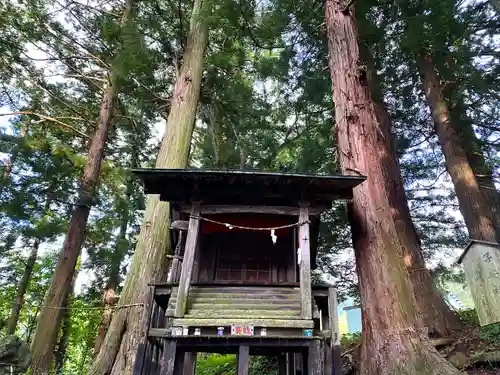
x=189 y=363
x=315 y=358
x=167 y=364
x=243 y=359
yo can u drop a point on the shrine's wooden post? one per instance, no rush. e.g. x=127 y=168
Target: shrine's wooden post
x=314 y=358
x=188 y=260
x=189 y=363
x=305 y=262
x=243 y=358
x=167 y=364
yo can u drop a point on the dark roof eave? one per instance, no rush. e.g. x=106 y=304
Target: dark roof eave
x=172 y=183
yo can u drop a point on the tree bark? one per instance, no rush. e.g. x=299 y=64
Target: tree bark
x=392 y=343
x=149 y=262
x=45 y=337
x=474 y=151
x=437 y=316
x=62 y=343
x=473 y=205
x=21 y=289
x=121 y=247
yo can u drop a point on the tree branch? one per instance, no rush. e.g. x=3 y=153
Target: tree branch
x=48 y=118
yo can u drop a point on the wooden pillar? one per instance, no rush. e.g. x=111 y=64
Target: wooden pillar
x=314 y=358
x=305 y=263
x=167 y=366
x=282 y=364
x=290 y=363
x=334 y=327
x=243 y=357
x=188 y=261
x=327 y=358
x=190 y=363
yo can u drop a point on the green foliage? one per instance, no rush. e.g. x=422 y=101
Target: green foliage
x=469 y=316
x=350 y=339
x=491 y=333
x=217 y=364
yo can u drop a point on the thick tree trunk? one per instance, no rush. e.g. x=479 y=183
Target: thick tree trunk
x=121 y=247
x=108 y=300
x=45 y=338
x=474 y=151
x=472 y=203
x=149 y=263
x=437 y=316
x=21 y=289
x=391 y=341
x=62 y=342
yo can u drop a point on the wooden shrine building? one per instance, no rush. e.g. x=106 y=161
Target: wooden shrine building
x=240 y=278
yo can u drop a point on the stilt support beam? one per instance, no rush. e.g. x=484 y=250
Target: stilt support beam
x=243 y=358
x=314 y=358
x=190 y=363
x=168 y=357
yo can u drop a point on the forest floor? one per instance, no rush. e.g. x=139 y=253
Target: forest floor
x=474 y=350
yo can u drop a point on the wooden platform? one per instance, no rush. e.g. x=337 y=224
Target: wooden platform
x=223 y=306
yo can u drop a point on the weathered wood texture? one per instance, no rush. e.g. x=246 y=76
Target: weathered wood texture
x=334 y=344
x=272 y=306
x=188 y=261
x=169 y=355
x=189 y=363
x=268 y=322
x=272 y=210
x=175 y=267
x=315 y=358
x=257 y=260
x=243 y=360
x=482 y=268
x=305 y=263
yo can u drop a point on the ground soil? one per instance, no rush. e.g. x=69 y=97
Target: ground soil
x=465 y=349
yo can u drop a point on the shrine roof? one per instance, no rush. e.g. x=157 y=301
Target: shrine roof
x=228 y=187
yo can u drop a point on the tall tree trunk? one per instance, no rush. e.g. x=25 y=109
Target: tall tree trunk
x=391 y=341
x=62 y=343
x=474 y=151
x=149 y=262
x=437 y=316
x=472 y=203
x=45 y=338
x=121 y=247
x=496 y=5
x=21 y=289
